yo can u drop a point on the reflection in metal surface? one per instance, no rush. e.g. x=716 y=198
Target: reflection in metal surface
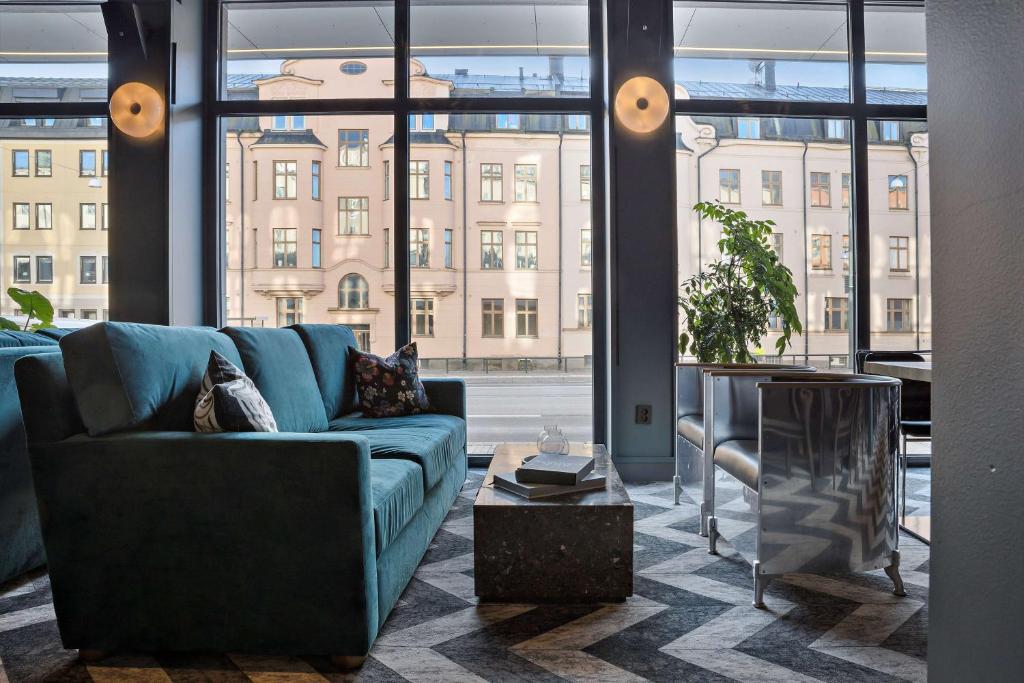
x=824 y=449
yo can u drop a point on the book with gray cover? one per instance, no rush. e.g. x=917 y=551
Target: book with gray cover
x=507 y=482
x=554 y=468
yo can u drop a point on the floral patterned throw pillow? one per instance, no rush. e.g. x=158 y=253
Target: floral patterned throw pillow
x=389 y=386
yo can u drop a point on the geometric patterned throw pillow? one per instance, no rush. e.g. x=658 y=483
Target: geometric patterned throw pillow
x=389 y=386
x=228 y=401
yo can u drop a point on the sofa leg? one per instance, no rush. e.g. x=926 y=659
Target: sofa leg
x=760 y=583
x=893 y=572
x=347 y=662
x=703 y=531
x=677 y=486
x=712 y=535
x=92 y=655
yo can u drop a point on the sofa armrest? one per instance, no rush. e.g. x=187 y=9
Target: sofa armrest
x=447 y=395
x=269 y=533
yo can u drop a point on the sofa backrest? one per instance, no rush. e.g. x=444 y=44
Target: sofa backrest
x=277 y=362
x=47 y=402
x=328 y=347
x=134 y=376
x=10 y=339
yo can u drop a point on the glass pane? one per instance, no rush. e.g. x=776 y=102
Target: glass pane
x=901 y=301
x=761 y=51
x=495 y=311
x=319 y=258
x=55 y=216
x=323 y=50
x=896 y=55
x=66 y=44
x=792 y=172
x=489 y=49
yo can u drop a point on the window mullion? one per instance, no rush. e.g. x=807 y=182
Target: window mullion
x=401 y=204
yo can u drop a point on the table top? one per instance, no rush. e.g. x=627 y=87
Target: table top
x=508 y=456
x=915 y=370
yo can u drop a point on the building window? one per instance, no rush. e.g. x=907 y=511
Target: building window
x=897 y=315
x=289 y=311
x=821 y=189
x=285 y=180
x=86 y=162
x=749 y=129
x=846 y=190
x=899 y=254
x=419 y=180
x=353 y=69
x=104 y=163
x=526 y=250
x=19 y=162
x=89 y=314
x=890 y=131
x=490 y=182
x=526 y=317
x=427 y=122
x=353 y=215
x=362 y=333
x=577 y=121
x=87 y=216
x=285 y=248
x=506 y=121
x=44 y=163
x=493 y=317
x=255 y=180
x=87 y=270
x=387 y=180
x=22 y=216
x=771 y=188
x=447 y=180
x=316 y=180
x=23 y=269
x=44 y=269
x=423 y=317
x=94 y=122
x=835 y=129
x=296 y=122
x=353 y=292
x=353 y=148
x=105 y=269
x=585 y=183
x=844 y=256
x=777 y=244
x=419 y=248
x=448 y=256
x=491 y=257
x=317 y=261
x=584 y=310
x=387 y=248
x=836 y=314
x=898 y=192
x=586 y=253
x=821 y=252
x=44 y=216
x=526 y=182
x=280 y=122
x=66 y=313
x=729 y=186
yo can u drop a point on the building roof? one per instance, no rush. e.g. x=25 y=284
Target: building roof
x=734 y=91
x=289 y=137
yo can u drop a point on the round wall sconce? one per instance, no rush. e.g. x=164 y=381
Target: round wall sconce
x=137 y=110
x=641 y=104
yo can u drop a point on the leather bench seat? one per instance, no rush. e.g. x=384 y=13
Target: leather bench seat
x=691 y=428
x=739 y=458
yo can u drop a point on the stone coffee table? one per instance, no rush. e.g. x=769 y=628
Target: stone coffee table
x=571 y=548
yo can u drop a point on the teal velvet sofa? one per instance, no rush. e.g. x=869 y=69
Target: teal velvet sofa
x=21 y=545
x=159 y=538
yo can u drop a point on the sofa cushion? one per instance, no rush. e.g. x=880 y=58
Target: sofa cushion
x=389 y=386
x=328 y=347
x=10 y=338
x=691 y=428
x=397 y=489
x=432 y=441
x=229 y=402
x=134 y=376
x=739 y=458
x=277 y=363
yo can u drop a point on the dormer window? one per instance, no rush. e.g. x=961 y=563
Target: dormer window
x=282 y=122
x=506 y=121
x=353 y=68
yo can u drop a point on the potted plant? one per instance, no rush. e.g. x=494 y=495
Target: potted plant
x=35 y=307
x=727 y=306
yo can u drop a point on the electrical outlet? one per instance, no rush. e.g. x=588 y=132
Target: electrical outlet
x=643 y=414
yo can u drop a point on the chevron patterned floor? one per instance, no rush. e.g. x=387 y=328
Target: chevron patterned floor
x=689 y=620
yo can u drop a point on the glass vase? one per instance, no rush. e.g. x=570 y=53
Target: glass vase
x=552 y=441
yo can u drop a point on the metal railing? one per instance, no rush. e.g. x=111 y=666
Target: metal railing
x=576 y=365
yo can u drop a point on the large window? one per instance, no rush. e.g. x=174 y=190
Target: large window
x=771 y=188
x=526 y=317
x=286 y=248
x=285 y=180
x=353 y=148
x=490 y=182
x=729 y=186
x=526 y=250
x=423 y=317
x=419 y=180
x=526 y=182
x=836 y=314
x=493 y=316
x=821 y=189
x=353 y=215
x=491 y=247
x=353 y=292
x=419 y=247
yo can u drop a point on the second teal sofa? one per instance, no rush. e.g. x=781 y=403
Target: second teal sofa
x=159 y=538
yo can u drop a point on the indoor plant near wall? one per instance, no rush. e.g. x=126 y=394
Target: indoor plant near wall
x=37 y=309
x=728 y=304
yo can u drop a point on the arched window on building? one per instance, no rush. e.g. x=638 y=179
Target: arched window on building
x=353 y=292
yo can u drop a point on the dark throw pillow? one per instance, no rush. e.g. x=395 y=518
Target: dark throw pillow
x=389 y=386
x=228 y=401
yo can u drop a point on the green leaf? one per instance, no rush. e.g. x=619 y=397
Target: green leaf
x=34 y=305
x=10 y=325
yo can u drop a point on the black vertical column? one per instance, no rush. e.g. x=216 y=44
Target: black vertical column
x=401 y=203
x=642 y=247
x=861 y=251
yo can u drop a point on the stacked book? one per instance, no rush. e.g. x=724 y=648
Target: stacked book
x=551 y=475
